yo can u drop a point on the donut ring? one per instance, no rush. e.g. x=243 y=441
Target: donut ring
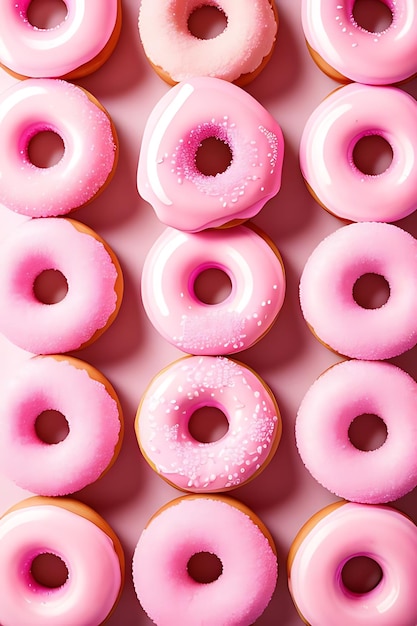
x=337 y=397
x=90 y=147
x=81 y=538
x=218 y=525
x=326 y=153
x=255 y=270
x=238 y=54
x=93 y=275
x=91 y=446
x=331 y=538
x=348 y=52
x=326 y=291
x=77 y=46
x=187 y=385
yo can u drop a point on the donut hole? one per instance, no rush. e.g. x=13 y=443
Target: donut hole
x=51 y=427
x=45 y=149
x=367 y=432
x=208 y=424
x=213 y=156
x=361 y=574
x=374 y=16
x=49 y=570
x=212 y=286
x=46 y=14
x=371 y=291
x=204 y=567
x=207 y=22
x=50 y=287
x=372 y=155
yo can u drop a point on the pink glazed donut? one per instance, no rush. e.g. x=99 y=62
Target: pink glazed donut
x=341 y=394
x=77 y=46
x=89 y=140
x=76 y=390
x=346 y=51
x=256 y=272
x=76 y=535
x=168 y=178
x=328 y=280
x=92 y=273
x=207 y=381
x=327 y=153
x=211 y=525
x=330 y=539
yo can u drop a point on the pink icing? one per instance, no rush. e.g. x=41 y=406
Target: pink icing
x=56 y=243
x=168 y=178
x=326 y=291
x=352 y=530
x=46 y=383
x=55 y=52
x=338 y=396
x=326 y=153
x=248 y=37
x=257 y=294
x=187 y=385
x=378 y=58
x=168 y=593
x=90 y=151
x=94 y=571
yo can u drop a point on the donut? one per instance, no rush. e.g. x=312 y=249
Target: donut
x=75 y=47
x=328 y=279
x=79 y=538
x=92 y=273
x=332 y=132
x=342 y=393
x=347 y=51
x=209 y=109
x=90 y=147
x=333 y=537
x=212 y=525
x=238 y=54
x=256 y=273
x=187 y=385
x=47 y=383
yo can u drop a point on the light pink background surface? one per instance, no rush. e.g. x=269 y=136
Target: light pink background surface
x=130 y=353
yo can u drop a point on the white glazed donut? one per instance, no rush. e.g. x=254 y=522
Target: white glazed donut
x=89 y=141
x=346 y=51
x=92 y=273
x=330 y=539
x=77 y=46
x=208 y=381
x=328 y=279
x=326 y=153
x=216 y=525
x=341 y=394
x=255 y=270
x=74 y=389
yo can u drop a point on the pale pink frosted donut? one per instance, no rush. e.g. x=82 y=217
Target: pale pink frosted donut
x=74 y=533
x=239 y=52
x=220 y=526
x=326 y=153
x=168 y=177
x=89 y=139
x=93 y=275
x=342 y=393
x=333 y=537
x=326 y=291
x=79 y=45
x=189 y=384
x=90 y=406
x=347 y=51
x=257 y=277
